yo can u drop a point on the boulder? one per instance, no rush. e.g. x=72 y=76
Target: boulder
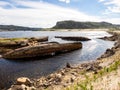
x=109 y=52
x=114 y=37
x=68 y=65
x=24 y=80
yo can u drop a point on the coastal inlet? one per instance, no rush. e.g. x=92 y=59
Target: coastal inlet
x=10 y=70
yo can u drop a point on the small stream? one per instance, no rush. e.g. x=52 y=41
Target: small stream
x=10 y=69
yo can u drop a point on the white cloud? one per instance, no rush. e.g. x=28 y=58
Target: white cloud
x=113 y=6
x=114 y=9
x=113 y=20
x=114 y=2
x=41 y=14
x=101 y=0
x=2 y=4
x=66 y=1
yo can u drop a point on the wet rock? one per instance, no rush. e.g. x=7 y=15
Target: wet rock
x=68 y=65
x=109 y=52
x=24 y=80
x=92 y=66
x=117 y=45
x=114 y=37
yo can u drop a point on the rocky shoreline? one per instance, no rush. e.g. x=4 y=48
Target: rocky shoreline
x=115 y=37
x=71 y=75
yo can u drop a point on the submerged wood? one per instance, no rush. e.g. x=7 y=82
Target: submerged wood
x=41 y=50
x=72 y=38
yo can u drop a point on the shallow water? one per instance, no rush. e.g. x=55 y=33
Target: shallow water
x=10 y=69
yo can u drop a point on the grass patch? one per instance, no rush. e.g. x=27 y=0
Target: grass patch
x=87 y=83
x=12 y=39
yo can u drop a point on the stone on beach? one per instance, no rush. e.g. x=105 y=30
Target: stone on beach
x=21 y=87
x=24 y=80
x=23 y=83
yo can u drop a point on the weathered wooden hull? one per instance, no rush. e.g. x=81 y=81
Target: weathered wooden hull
x=12 y=42
x=41 y=50
x=72 y=38
x=8 y=44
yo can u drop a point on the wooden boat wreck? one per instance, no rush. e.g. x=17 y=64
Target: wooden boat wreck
x=8 y=44
x=72 y=38
x=41 y=50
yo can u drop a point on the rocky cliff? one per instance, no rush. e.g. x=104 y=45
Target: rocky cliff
x=83 y=25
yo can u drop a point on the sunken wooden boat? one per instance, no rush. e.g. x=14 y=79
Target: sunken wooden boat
x=41 y=50
x=73 y=38
x=13 y=42
x=8 y=44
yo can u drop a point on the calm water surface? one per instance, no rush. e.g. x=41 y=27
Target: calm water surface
x=10 y=70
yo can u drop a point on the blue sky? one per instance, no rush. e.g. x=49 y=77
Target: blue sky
x=45 y=13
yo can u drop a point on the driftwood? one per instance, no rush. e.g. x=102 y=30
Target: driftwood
x=41 y=50
x=72 y=38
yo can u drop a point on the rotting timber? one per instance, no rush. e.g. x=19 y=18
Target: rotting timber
x=73 y=38
x=41 y=50
x=8 y=44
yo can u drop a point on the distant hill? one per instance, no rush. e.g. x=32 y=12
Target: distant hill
x=83 y=25
x=16 y=28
